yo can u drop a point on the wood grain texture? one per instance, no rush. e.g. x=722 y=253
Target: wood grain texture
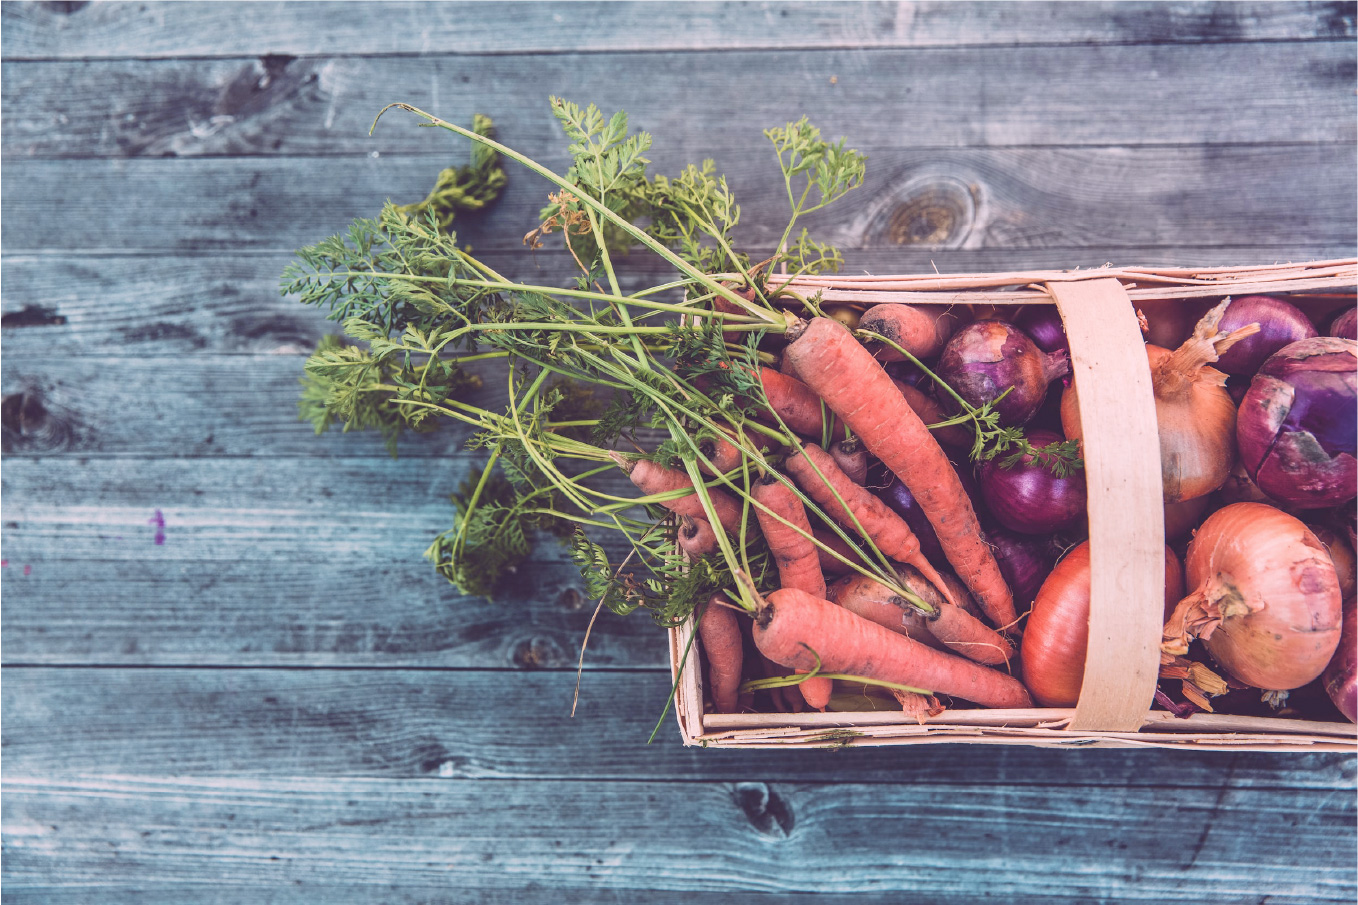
x=1024 y=96
x=83 y=30
x=923 y=837
x=1293 y=195
x=282 y=703
x=228 y=304
x=472 y=725
x=308 y=561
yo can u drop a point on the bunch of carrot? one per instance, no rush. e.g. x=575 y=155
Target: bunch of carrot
x=855 y=598
x=802 y=509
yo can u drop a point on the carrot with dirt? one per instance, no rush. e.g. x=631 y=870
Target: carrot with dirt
x=719 y=633
x=955 y=628
x=803 y=632
x=816 y=473
x=653 y=479
x=852 y=383
x=696 y=537
x=786 y=528
x=920 y=331
x=827 y=545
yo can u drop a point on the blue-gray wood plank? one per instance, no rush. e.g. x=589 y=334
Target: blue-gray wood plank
x=279 y=702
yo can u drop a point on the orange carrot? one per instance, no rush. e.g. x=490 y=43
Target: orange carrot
x=793 y=628
x=885 y=528
x=795 y=403
x=854 y=385
x=794 y=553
x=719 y=634
x=651 y=478
x=873 y=601
x=953 y=627
x=922 y=332
x=723 y=454
x=795 y=556
x=696 y=537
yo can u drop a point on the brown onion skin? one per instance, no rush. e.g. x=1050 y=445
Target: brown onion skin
x=1271 y=561
x=1184 y=516
x=1341 y=554
x=1345 y=325
x=1057 y=635
x=1341 y=675
x=1187 y=470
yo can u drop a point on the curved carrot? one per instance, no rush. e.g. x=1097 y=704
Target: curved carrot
x=883 y=527
x=650 y=478
x=951 y=626
x=719 y=633
x=854 y=385
x=921 y=332
x=795 y=555
x=696 y=537
x=798 y=406
x=793 y=628
x=873 y=601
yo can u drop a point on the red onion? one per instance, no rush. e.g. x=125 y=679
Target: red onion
x=1170 y=321
x=1280 y=323
x=1345 y=326
x=1044 y=327
x=1025 y=561
x=1027 y=497
x=1265 y=598
x=1297 y=427
x=985 y=358
x=1341 y=676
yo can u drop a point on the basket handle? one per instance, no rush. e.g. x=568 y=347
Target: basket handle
x=1126 y=517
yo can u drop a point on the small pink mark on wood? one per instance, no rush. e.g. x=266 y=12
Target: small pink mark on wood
x=4 y=563
x=158 y=520
x=28 y=570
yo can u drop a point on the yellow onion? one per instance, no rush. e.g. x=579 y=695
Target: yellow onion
x=1265 y=598
x=1195 y=414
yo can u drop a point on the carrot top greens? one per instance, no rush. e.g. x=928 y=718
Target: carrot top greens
x=580 y=365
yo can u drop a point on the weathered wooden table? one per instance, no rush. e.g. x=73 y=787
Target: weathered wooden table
x=228 y=675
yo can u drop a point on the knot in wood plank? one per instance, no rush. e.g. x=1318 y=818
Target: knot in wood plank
x=767 y=811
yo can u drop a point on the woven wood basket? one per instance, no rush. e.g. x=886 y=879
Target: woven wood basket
x=1126 y=529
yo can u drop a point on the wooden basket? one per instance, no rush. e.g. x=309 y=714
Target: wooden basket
x=1126 y=529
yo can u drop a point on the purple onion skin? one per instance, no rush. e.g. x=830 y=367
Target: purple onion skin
x=1044 y=327
x=1027 y=497
x=1341 y=676
x=904 y=371
x=1025 y=561
x=985 y=358
x=1345 y=326
x=1297 y=427
x=1280 y=323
